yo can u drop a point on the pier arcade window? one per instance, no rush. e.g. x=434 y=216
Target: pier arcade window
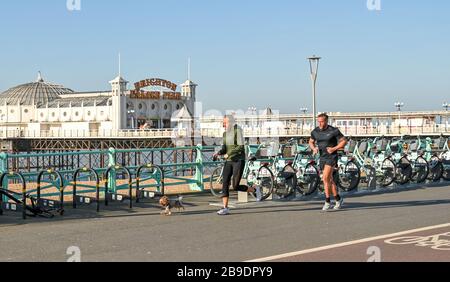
x=153 y=106
x=166 y=123
x=12 y=111
x=166 y=107
x=25 y=111
x=42 y=115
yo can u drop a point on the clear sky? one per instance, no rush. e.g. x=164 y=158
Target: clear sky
x=244 y=52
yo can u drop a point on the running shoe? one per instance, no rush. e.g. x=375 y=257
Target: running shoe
x=339 y=205
x=326 y=207
x=224 y=211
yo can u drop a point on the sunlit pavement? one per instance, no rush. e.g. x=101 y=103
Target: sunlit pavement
x=274 y=231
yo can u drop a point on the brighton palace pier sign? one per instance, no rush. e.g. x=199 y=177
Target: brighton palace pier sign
x=138 y=93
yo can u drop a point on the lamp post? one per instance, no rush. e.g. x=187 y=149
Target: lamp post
x=131 y=112
x=314 y=68
x=252 y=111
x=304 y=111
x=399 y=106
x=445 y=106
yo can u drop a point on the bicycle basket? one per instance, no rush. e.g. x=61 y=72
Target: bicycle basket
x=253 y=149
x=414 y=146
x=302 y=148
x=382 y=144
x=270 y=151
x=351 y=146
x=363 y=147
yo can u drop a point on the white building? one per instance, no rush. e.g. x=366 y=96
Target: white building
x=40 y=107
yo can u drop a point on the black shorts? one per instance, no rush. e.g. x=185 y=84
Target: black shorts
x=232 y=175
x=329 y=160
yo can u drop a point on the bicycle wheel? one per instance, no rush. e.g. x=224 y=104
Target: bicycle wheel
x=403 y=171
x=386 y=174
x=285 y=182
x=446 y=170
x=308 y=180
x=349 y=176
x=420 y=170
x=436 y=169
x=216 y=182
x=265 y=181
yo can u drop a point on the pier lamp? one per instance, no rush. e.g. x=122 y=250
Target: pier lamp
x=304 y=111
x=131 y=112
x=253 y=113
x=399 y=106
x=314 y=68
x=445 y=106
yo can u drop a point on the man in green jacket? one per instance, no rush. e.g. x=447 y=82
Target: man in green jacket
x=233 y=150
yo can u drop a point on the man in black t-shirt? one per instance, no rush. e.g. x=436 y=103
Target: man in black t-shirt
x=327 y=141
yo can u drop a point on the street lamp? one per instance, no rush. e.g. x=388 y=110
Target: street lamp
x=445 y=106
x=252 y=111
x=314 y=68
x=304 y=111
x=399 y=106
x=131 y=112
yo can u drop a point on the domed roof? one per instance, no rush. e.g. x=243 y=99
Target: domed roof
x=34 y=93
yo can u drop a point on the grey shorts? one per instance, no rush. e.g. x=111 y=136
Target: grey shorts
x=329 y=160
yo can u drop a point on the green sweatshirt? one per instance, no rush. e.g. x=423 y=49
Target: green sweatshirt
x=234 y=144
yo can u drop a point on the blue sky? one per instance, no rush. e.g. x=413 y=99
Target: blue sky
x=244 y=52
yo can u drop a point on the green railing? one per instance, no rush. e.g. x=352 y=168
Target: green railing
x=199 y=168
x=196 y=181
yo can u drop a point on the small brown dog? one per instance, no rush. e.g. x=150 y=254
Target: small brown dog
x=168 y=204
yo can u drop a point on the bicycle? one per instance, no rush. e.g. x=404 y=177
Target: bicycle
x=403 y=166
x=414 y=153
x=257 y=174
x=370 y=156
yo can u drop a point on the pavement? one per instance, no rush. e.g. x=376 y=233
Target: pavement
x=402 y=224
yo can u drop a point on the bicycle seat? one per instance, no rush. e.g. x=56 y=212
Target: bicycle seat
x=252 y=158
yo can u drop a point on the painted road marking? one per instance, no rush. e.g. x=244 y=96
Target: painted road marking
x=435 y=242
x=350 y=243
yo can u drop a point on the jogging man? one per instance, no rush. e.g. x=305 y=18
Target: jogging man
x=233 y=150
x=327 y=141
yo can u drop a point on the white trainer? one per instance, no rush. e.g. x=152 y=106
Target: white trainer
x=326 y=207
x=224 y=211
x=339 y=204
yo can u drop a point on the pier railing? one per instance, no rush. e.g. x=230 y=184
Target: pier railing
x=189 y=169
x=249 y=132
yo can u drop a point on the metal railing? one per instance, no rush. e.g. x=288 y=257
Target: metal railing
x=174 y=173
x=218 y=132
